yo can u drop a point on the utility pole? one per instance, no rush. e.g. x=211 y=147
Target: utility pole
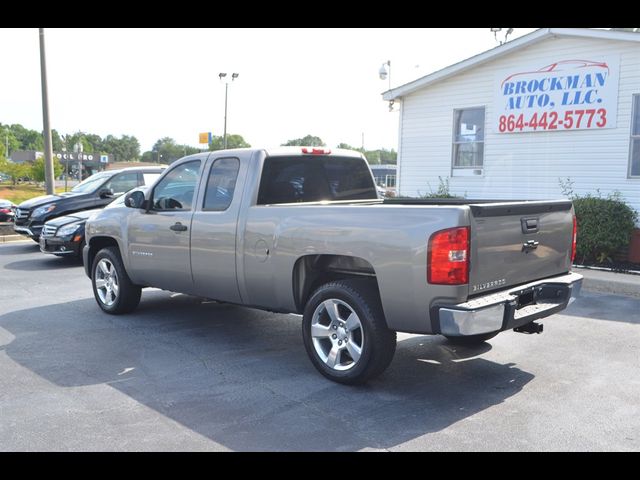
x=48 y=153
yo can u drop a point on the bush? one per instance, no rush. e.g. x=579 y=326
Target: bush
x=442 y=192
x=604 y=224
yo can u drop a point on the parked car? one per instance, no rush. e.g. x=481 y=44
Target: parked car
x=64 y=236
x=302 y=230
x=7 y=210
x=96 y=191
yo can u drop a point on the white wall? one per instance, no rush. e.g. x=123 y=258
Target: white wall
x=520 y=165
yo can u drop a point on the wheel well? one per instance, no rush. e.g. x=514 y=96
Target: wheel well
x=312 y=271
x=96 y=244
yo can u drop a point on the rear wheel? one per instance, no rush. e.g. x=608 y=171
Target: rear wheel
x=345 y=333
x=471 y=340
x=112 y=288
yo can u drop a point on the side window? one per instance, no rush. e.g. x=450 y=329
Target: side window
x=149 y=178
x=176 y=190
x=122 y=183
x=221 y=184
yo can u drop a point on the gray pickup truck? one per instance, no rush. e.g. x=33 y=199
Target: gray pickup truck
x=301 y=230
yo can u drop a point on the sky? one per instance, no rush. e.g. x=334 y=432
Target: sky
x=154 y=83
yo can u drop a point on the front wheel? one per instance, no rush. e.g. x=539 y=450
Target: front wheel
x=345 y=332
x=112 y=288
x=471 y=340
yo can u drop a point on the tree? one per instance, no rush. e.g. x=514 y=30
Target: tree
x=346 y=146
x=56 y=141
x=95 y=143
x=37 y=169
x=14 y=170
x=233 y=141
x=29 y=139
x=147 y=156
x=166 y=150
x=7 y=136
x=307 y=141
x=125 y=148
x=375 y=157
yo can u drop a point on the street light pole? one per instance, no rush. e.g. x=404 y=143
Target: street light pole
x=226 y=91
x=222 y=75
x=48 y=153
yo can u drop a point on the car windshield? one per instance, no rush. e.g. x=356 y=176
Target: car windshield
x=91 y=183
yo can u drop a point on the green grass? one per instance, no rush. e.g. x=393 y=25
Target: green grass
x=22 y=192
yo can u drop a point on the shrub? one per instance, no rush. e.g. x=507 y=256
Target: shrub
x=604 y=224
x=442 y=192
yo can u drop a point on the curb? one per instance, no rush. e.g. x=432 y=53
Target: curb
x=610 y=282
x=12 y=238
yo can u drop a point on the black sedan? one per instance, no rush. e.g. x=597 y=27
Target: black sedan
x=64 y=236
x=7 y=211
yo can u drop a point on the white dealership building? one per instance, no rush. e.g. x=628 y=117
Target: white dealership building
x=512 y=121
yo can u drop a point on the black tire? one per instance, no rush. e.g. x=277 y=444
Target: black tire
x=128 y=295
x=377 y=342
x=471 y=340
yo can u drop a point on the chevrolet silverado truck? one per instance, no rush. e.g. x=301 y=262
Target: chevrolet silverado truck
x=302 y=231
x=95 y=192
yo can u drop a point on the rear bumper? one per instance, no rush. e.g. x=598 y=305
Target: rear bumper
x=509 y=308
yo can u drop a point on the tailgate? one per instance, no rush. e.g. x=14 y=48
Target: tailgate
x=518 y=242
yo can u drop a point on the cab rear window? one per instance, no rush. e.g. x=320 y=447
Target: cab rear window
x=313 y=179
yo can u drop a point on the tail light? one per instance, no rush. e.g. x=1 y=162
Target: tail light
x=448 y=257
x=5 y=210
x=574 y=239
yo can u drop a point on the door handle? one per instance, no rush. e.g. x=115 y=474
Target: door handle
x=178 y=227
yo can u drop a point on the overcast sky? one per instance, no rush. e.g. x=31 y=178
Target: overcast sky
x=153 y=83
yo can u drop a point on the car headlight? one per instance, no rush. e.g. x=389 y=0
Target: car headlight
x=40 y=211
x=68 y=230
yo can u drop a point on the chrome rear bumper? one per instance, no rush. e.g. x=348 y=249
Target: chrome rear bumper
x=510 y=308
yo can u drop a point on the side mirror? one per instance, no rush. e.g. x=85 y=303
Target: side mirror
x=135 y=199
x=106 y=193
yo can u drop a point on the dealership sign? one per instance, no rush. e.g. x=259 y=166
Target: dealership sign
x=564 y=95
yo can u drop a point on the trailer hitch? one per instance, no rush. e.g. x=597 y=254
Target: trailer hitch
x=531 y=327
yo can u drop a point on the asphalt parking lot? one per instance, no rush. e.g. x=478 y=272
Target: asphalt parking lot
x=182 y=373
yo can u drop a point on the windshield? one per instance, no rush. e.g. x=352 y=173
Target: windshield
x=92 y=183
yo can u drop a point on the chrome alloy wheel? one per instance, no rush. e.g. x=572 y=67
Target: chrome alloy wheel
x=337 y=334
x=106 y=280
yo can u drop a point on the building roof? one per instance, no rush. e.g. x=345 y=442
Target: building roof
x=505 y=49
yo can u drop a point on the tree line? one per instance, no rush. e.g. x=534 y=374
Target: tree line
x=374 y=157
x=127 y=148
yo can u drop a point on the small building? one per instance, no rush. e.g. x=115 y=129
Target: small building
x=385 y=175
x=90 y=163
x=516 y=120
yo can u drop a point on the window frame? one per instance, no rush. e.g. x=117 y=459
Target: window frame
x=115 y=177
x=165 y=175
x=206 y=185
x=454 y=167
x=635 y=99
